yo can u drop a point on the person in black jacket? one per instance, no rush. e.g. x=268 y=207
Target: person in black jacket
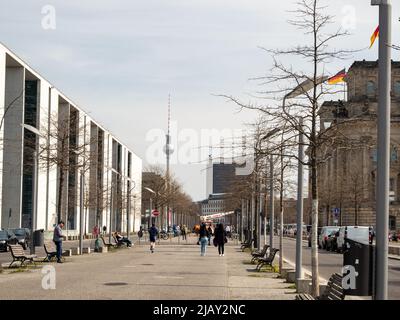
x=220 y=238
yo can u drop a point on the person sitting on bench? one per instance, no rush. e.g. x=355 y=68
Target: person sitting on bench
x=121 y=239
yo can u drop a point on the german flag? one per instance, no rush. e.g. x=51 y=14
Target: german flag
x=338 y=77
x=374 y=36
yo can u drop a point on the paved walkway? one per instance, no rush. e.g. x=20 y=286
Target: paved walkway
x=172 y=272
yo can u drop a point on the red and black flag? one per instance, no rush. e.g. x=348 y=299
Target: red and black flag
x=338 y=77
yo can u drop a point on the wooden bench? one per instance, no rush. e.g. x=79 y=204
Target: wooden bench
x=304 y=296
x=117 y=243
x=259 y=254
x=246 y=244
x=18 y=254
x=108 y=244
x=51 y=252
x=267 y=261
x=333 y=291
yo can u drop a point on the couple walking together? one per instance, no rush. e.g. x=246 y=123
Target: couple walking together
x=219 y=238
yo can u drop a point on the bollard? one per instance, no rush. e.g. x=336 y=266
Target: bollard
x=86 y=250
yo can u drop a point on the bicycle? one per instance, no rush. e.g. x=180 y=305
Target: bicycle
x=164 y=235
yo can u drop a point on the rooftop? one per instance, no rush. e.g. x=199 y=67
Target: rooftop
x=371 y=64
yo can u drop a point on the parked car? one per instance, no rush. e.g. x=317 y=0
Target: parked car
x=323 y=237
x=3 y=240
x=362 y=234
x=331 y=242
x=20 y=236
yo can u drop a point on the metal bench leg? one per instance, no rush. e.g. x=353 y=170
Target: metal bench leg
x=12 y=263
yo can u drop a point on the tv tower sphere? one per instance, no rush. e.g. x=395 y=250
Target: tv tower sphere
x=169 y=149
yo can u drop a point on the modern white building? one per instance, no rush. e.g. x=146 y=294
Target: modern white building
x=71 y=144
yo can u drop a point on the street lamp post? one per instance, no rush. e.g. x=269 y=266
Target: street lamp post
x=34 y=193
x=383 y=161
x=128 y=215
x=111 y=211
x=81 y=212
x=151 y=203
x=271 y=205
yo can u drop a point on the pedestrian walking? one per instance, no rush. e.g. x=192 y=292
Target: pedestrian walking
x=183 y=232
x=57 y=239
x=153 y=233
x=220 y=238
x=210 y=233
x=228 y=230
x=203 y=239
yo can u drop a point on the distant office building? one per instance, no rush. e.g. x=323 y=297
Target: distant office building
x=220 y=177
x=71 y=144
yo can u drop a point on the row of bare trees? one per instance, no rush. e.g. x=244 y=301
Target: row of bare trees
x=181 y=205
x=295 y=93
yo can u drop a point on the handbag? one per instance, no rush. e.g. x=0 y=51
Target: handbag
x=215 y=243
x=225 y=239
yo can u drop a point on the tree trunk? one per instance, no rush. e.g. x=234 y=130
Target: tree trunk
x=281 y=218
x=314 y=187
x=60 y=194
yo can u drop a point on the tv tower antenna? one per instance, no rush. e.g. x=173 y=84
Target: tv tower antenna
x=168 y=149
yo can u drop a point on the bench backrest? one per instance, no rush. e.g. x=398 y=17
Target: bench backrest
x=334 y=290
x=264 y=250
x=104 y=241
x=49 y=247
x=272 y=254
x=17 y=250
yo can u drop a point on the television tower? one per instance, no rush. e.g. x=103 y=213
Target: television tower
x=168 y=149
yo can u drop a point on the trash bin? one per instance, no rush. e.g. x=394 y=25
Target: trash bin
x=358 y=258
x=38 y=238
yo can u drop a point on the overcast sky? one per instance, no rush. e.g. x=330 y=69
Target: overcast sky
x=119 y=60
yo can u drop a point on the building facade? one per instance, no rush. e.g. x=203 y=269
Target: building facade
x=72 y=150
x=347 y=176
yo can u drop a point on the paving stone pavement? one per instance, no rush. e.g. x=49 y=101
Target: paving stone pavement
x=174 y=271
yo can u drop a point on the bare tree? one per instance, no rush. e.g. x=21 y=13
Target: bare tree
x=67 y=149
x=174 y=197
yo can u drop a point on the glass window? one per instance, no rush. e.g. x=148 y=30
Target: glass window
x=374 y=155
x=370 y=89
x=393 y=154
x=396 y=89
x=391 y=184
x=392 y=222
